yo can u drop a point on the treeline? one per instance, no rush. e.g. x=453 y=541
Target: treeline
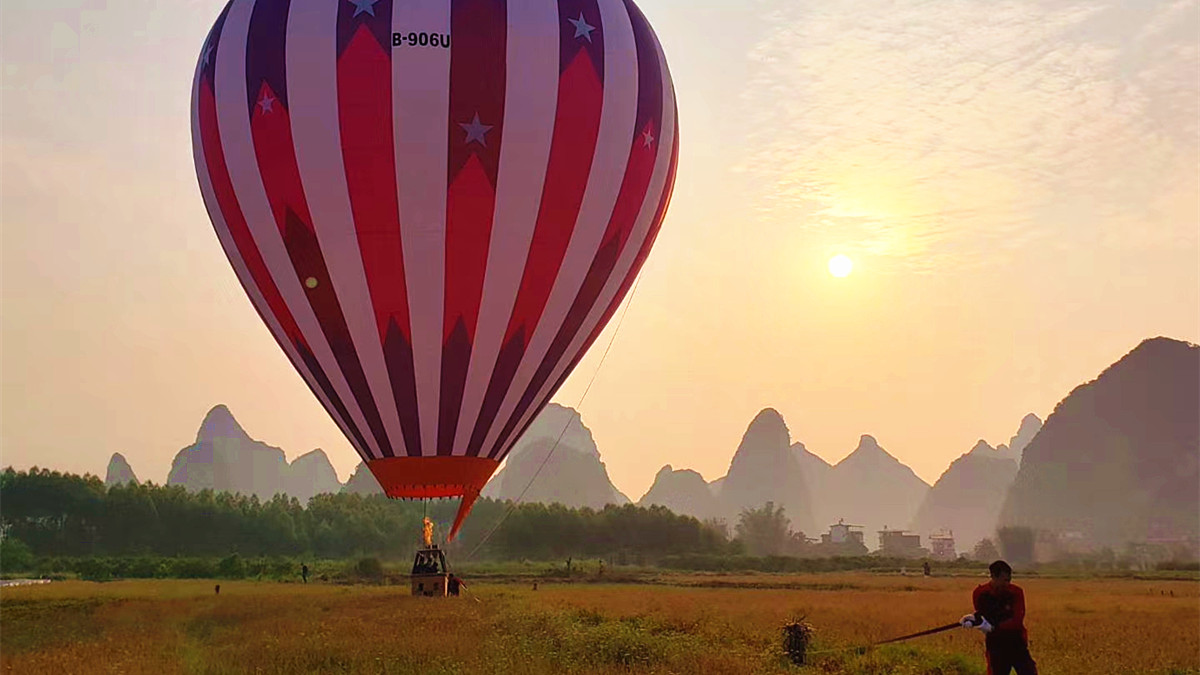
x=48 y=513
x=17 y=558
x=796 y=564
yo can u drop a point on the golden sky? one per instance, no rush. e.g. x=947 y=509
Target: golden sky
x=1016 y=181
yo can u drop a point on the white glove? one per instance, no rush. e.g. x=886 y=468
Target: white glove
x=968 y=621
x=985 y=626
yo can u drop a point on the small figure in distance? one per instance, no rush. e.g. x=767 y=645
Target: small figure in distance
x=304 y=572
x=926 y=568
x=1000 y=616
x=453 y=584
x=217 y=589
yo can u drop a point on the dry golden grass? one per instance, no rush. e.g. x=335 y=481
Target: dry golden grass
x=681 y=624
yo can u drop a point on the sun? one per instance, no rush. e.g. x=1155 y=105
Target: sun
x=840 y=265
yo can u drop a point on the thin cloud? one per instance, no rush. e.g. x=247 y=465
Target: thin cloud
x=928 y=130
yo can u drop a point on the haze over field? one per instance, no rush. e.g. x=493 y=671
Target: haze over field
x=1016 y=185
x=1100 y=441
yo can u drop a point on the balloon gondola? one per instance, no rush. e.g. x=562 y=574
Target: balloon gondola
x=435 y=206
x=431 y=575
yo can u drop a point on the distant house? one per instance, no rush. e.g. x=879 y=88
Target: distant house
x=942 y=544
x=841 y=539
x=899 y=543
x=1168 y=542
x=1055 y=545
x=842 y=533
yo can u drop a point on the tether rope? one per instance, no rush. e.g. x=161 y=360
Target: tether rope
x=930 y=631
x=542 y=465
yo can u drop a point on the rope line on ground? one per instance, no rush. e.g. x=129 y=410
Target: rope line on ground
x=930 y=631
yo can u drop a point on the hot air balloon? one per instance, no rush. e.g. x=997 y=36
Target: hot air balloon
x=434 y=205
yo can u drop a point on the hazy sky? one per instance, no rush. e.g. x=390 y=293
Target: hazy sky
x=1016 y=181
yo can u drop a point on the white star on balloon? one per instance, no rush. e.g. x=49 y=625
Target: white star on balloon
x=361 y=6
x=647 y=138
x=475 y=130
x=206 y=56
x=582 y=27
x=266 y=102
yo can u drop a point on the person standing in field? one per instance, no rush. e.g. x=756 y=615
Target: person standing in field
x=304 y=572
x=1000 y=615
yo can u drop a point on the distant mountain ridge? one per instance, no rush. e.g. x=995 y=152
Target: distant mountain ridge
x=1015 y=449
x=311 y=474
x=572 y=475
x=1119 y=457
x=1133 y=431
x=225 y=458
x=362 y=482
x=119 y=472
x=966 y=499
x=683 y=491
x=870 y=487
x=815 y=470
x=764 y=469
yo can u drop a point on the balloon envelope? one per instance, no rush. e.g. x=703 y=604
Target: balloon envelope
x=434 y=205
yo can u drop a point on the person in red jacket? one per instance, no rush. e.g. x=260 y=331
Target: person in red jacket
x=1000 y=615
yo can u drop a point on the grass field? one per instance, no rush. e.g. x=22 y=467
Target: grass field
x=704 y=624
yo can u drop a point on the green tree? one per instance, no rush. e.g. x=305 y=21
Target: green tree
x=130 y=519
x=985 y=551
x=14 y=555
x=52 y=512
x=56 y=514
x=764 y=531
x=231 y=567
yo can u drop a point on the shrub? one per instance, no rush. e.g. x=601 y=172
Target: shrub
x=94 y=569
x=146 y=567
x=192 y=568
x=52 y=564
x=281 y=568
x=369 y=568
x=1178 y=566
x=231 y=567
x=14 y=555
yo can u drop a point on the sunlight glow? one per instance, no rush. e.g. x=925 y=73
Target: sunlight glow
x=840 y=265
